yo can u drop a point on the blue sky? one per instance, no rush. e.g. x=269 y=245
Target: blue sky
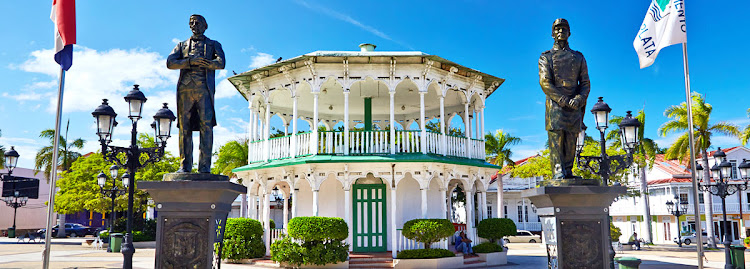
x=127 y=42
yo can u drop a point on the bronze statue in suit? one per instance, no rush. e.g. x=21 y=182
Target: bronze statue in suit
x=564 y=78
x=197 y=59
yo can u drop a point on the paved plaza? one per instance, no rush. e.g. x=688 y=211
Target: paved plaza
x=69 y=253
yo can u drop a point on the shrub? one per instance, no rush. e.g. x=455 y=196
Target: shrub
x=243 y=239
x=614 y=232
x=487 y=247
x=317 y=241
x=494 y=229
x=427 y=231
x=322 y=229
x=425 y=254
x=140 y=236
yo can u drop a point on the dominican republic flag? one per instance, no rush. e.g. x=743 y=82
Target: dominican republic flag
x=64 y=17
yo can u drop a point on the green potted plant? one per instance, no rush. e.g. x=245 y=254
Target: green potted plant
x=427 y=232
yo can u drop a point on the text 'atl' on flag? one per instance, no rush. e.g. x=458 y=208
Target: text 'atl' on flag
x=64 y=17
x=664 y=25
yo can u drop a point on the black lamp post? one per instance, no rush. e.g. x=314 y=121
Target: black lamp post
x=602 y=164
x=11 y=160
x=112 y=192
x=105 y=122
x=677 y=209
x=722 y=187
x=15 y=201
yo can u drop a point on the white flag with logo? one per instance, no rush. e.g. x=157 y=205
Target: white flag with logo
x=663 y=26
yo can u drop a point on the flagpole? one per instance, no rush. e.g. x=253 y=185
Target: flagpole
x=53 y=172
x=689 y=103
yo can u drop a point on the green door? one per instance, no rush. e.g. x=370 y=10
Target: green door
x=369 y=218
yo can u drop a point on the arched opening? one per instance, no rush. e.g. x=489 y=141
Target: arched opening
x=369 y=215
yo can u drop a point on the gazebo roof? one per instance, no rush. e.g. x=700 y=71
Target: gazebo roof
x=369 y=57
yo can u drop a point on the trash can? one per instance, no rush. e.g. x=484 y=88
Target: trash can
x=737 y=253
x=115 y=241
x=11 y=232
x=628 y=262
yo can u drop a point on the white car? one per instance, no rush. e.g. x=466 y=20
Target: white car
x=523 y=236
x=689 y=239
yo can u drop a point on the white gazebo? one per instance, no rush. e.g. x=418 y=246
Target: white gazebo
x=376 y=150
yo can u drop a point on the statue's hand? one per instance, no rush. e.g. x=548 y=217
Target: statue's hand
x=575 y=103
x=200 y=61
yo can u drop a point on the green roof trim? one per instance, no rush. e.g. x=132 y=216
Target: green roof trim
x=398 y=158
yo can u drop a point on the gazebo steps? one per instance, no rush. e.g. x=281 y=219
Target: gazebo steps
x=371 y=260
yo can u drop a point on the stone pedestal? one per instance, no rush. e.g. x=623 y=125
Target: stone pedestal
x=191 y=215
x=575 y=224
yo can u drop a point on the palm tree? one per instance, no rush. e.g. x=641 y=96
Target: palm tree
x=497 y=147
x=745 y=137
x=702 y=131
x=66 y=157
x=645 y=154
x=2 y=153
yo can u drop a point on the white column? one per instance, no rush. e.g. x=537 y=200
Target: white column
x=469 y=212
x=443 y=145
x=267 y=132
x=393 y=125
x=422 y=123
x=348 y=216
x=286 y=210
x=314 y=126
x=394 y=238
x=523 y=213
x=346 y=122
x=251 y=208
x=450 y=205
x=484 y=205
x=476 y=121
x=315 y=203
x=243 y=206
x=424 y=203
x=267 y=222
x=445 y=200
x=295 y=202
x=293 y=139
x=500 y=207
x=467 y=121
x=481 y=117
x=250 y=127
x=479 y=205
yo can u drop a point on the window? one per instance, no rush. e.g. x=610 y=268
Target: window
x=520 y=213
x=683 y=197
x=734 y=169
x=489 y=211
x=700 y=198
x=526 y=213
x=505 y=211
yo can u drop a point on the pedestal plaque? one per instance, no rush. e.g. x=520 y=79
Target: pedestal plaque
x=575 y=222
x=191 y=216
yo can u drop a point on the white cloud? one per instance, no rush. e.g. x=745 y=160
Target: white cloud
x=175 y=40
x=261 y=59
x=225 y=89
x=97 y=75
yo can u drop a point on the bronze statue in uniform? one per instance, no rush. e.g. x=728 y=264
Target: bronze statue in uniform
x=197 y=59
x=564 y=78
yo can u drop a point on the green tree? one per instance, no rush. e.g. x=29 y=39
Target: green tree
x=537 y=166
x=231 y=155
x=745 y=137
x=702 y=131
x=2 y=153
x=434 y=126
x=497 y=147
x=66 y=156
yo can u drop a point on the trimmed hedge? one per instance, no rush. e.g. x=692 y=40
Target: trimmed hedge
x=496 y=228
x=318 y=229
x=433 y=253
x=243 y=239
x=427 y=231
x=317 y=241
x=487 y=247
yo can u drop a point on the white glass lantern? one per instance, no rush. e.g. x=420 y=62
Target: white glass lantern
x=719 y=155
x=101 y=179
x=105 y=121
x=11 y=159
x=113 y=171
x=135 y=99
x=164 y=118
x=726 y=168
x=601 y=114
x=126 y=180
x=629 y=131
x=699 y=172
x=670 y=206
x=744 y=168
x=581 y=139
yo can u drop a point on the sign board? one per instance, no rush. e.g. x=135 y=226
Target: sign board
x=26 y=187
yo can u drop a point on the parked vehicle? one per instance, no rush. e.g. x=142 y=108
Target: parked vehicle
x=72 y=230
x=689 y=239
x=523 y=236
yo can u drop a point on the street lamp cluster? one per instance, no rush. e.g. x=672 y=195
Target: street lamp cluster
x=105 y=122
x=719 y=184
x=677 y=209
x=112 y=191
x=15 y=201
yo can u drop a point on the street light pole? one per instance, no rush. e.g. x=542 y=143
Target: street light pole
x=722 y=187
x=677 y=208
x=105 y=119
x=112 y=192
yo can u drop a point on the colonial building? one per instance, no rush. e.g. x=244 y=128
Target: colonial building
x=669 y=179
x=366 y=138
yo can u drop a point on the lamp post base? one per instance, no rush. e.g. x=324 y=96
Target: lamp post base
x=191 y=217
x=575 y=224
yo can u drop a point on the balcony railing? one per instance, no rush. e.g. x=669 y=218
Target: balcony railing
x=364 y=143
